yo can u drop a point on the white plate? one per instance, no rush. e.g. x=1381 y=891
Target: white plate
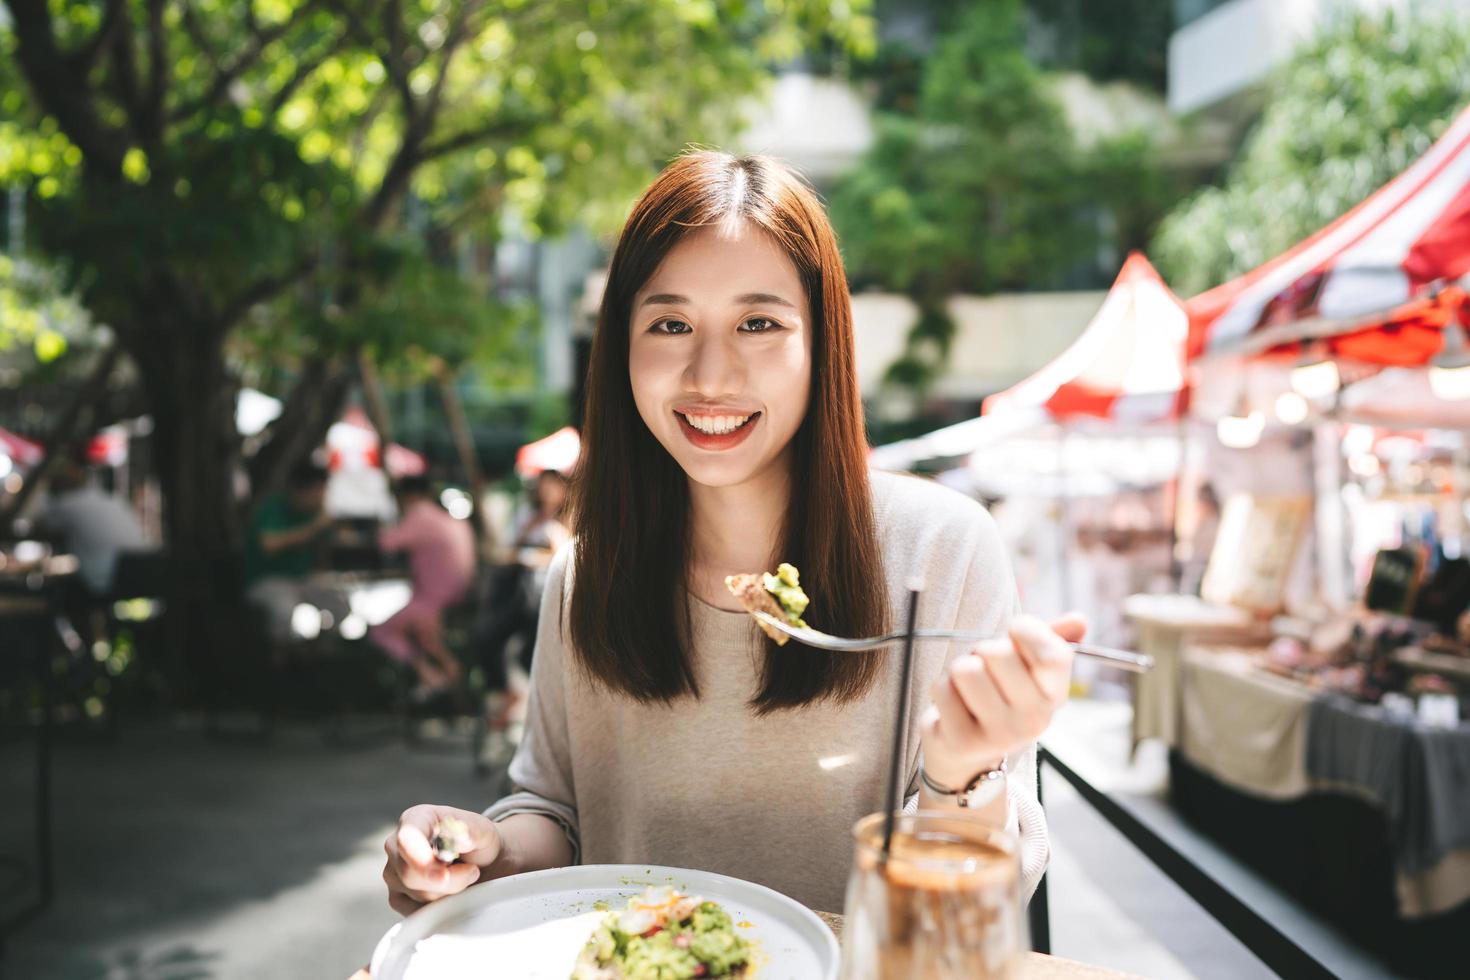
x=532 y=926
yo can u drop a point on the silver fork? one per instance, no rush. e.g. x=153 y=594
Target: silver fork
x=1136 y=662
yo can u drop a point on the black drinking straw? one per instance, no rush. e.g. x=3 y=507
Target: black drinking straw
x=900 y=727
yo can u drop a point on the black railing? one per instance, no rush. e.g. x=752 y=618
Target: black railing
x=30 y=633
x=1278 y=951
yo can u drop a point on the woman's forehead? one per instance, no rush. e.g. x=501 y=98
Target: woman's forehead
x=723 y=262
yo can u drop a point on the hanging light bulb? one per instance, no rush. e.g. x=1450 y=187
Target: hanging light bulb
x=1358 y=440
x=1292 y=408
x=1315 y=375
x=1242 y=429
x=1449 y=372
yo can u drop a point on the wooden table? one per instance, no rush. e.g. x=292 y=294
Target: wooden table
x=1038 y=967
x=1164 y=625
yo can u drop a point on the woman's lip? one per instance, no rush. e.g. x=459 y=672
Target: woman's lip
x=726 y=440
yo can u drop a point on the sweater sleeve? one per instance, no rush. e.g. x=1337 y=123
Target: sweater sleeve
x=541 y=771
x=988 y=602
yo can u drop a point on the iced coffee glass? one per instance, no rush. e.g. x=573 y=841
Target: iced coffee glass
x=945 y=905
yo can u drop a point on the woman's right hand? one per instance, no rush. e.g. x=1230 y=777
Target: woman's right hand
x=415 y=876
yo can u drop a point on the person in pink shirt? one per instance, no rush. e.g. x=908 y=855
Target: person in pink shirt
x=441 y=556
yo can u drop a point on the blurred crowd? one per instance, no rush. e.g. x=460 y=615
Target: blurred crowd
x=443 y=593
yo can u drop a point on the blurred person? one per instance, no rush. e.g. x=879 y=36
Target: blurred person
x=91 y=524
x=543 y=529
x=540 y=533
x=282 y=548
x=724 y=435
x=1200 y=542
x=441 y=557
x=98 y=528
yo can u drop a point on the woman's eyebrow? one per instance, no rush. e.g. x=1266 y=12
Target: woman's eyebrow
x=765 y=298
x=674 y=299
x=664 y=299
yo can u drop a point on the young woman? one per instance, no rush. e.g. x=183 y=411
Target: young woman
x=540 y=533
x=724 y=435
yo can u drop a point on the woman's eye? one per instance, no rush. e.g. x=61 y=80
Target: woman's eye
x=670 y=326
x=759 y=324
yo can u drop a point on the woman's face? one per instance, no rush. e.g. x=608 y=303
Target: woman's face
x=720 y=354
x=551 y=493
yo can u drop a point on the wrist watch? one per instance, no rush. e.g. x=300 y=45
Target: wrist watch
x=978 y=793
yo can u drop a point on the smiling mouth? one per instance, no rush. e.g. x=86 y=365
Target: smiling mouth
x=718 y=425
x=716 y=433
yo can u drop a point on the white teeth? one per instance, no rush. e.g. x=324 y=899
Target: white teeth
x=717 y=425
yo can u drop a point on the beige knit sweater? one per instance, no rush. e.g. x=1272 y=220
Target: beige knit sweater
x=707 y=784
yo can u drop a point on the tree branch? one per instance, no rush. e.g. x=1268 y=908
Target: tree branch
x=395 y=61
x=499 y=129
x=304 y=70
x=263 y=289
x=458 y=32
x=371 y=113
x=63 y=92
x=74 y=425
x=260 y=39
x=414 y=151
x=464 y=444
x=125 y=73
x=195 y=29
x=484 y=201
x=85 y=56
x=377 y=409
x=158 y=72
x=394 y=183
x=310 y=409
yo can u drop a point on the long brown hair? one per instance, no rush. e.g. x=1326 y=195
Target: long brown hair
x=630 y=607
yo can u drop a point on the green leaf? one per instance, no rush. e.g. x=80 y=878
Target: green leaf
x=49 y=345
x=1351 y=109
x=135 y=166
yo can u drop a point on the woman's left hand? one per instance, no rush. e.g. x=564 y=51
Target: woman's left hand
x=998 y=698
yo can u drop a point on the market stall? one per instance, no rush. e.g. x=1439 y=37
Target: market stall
x=1367 y=282
x=1357 y=809
x=1329 y=752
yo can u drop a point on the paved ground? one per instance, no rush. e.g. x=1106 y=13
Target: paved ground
x=182 y=858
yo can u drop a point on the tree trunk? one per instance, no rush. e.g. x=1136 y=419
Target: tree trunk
x=464 y=444
x=377 y=410
x=311 y=408
x=195 y=448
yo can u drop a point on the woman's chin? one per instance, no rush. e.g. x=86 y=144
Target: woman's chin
x=718 y=473
x=726 y=469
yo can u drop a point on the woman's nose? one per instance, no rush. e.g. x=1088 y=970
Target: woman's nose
x=715 y=368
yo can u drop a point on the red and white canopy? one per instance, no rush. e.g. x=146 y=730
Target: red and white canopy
x=558 y=451
x=1404 y=243
x=1127 y=365
x=109 y=447
x=19 y=449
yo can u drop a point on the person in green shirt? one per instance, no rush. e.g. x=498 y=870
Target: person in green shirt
x=281 y=548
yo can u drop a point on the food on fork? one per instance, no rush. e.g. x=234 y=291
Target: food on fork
x=777 y=595
x=664 y=934
x=450 y=839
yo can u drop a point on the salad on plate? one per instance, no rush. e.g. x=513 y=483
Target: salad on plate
x=664 y=934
